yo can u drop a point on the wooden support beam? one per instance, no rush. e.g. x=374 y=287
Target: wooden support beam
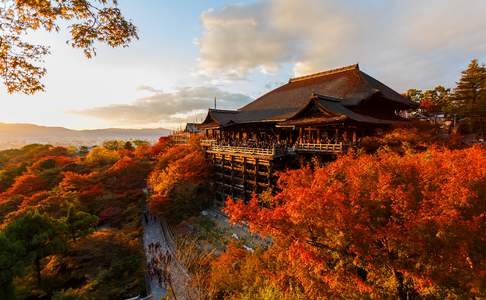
x=244 y=181
x=222 y=187
x=232 y=177
x=256 y=174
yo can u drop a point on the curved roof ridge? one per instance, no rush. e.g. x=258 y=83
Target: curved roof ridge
x=328 y=72
x=223 y=110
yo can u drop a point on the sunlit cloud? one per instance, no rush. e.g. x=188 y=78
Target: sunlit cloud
x=408 y=41
x=168 y=108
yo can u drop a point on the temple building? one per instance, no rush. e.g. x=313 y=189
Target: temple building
x=319 y=114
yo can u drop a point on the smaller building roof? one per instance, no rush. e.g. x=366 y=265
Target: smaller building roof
x=333 y=111
x=192 y=128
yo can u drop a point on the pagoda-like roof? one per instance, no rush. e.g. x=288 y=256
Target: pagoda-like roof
x=348 y=87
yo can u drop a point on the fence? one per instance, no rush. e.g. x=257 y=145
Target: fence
x=330 y=148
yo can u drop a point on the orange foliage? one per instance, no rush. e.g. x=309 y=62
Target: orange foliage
x=178 y=177
x=381 y=225
x=416 y=136
x=127 y=173
x=49 y=162
x=27 y=184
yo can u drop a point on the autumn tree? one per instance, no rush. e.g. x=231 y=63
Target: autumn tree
x=100 y=156
x=68 y=192
x=179 y=182
x=88 y=21
x=433 y=101
x=381 y=226
x=436 y=100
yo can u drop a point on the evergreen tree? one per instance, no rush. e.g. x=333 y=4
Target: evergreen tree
x=39 y=237
x=470 y=92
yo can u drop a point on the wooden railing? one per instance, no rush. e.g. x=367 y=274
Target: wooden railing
x=274 y=151
x=207 y=142
x=329 y=148
x=180 y=138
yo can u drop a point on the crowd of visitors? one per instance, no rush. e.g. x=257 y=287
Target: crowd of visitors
x=157 y=267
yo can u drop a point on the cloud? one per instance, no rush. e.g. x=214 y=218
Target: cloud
x=169 y=108
x=410 y=42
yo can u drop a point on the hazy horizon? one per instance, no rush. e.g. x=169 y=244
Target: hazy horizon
x=238 y=50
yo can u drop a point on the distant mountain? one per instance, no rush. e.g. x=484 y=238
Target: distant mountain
x=18 y=135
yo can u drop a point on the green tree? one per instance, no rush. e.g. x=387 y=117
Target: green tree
x=39 y=236
x=128 y=146
x=435 y=101
x=101 y=156
x=114 y=144
x=10 y=252
x=470 y=98
x=83 y=150
x=415 y=95
x=470 y=91
x=88 y=21
x=79 y=223
x=140 y=143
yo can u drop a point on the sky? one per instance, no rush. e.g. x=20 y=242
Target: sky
x=192 y=51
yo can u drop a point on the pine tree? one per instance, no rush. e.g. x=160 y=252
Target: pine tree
x=470 y=92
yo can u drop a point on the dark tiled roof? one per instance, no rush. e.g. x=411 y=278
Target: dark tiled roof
x=349 y=86
x=192 y=127
x=339 y=113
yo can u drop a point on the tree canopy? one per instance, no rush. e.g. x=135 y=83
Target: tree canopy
x=470 y=91
x=379 y=226
x=88 y=21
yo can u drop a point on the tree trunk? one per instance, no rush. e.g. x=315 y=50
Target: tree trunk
x=38 y=270
x=401 y=292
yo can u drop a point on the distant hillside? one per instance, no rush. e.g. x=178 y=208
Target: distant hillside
x=18 y=135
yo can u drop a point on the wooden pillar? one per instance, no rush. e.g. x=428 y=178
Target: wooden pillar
x=354 y=136
x=256 y=175
x=345 y=135
x=244 y=180
x=337 y=135
x=269 y=175
x=222 y=178
x=232 y=176
x=318 y=135
x=300 y=135
x=291 y=135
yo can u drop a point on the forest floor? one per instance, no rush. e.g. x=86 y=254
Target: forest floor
x=213 y=232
